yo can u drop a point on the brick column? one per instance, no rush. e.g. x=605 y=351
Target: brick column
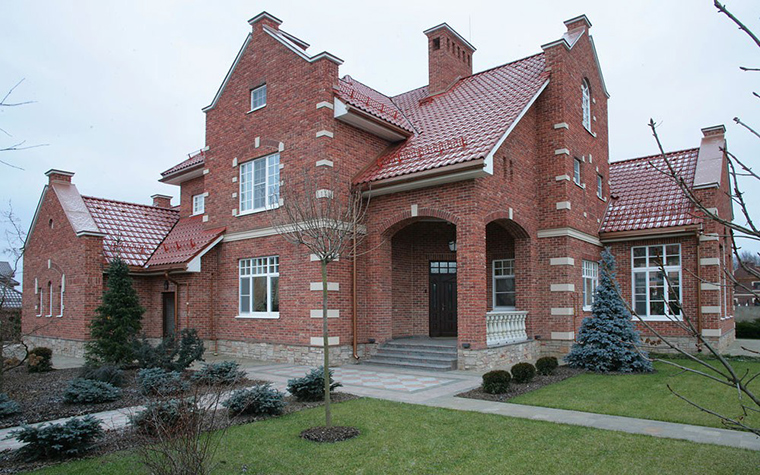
x=471 y=283
x=375 y=318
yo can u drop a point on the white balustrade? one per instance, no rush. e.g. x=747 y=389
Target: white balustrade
x=505 y=326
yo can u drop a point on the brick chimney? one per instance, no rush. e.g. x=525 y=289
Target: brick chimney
x=60 y=176
x=449 y=58
x=162 y=201
x=265 y=18
x=578 y=22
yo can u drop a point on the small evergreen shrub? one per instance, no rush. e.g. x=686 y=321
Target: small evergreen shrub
x=259 y=400
x=89 y=391
x=159 y=382
x=72 y=438
x=750 y=329
x=523 y=372
x=40 y=359
x=107 y=373
x=226 y=372
x=170 y=354
x=161 y=416
x=496 y=382
x=8 y=406
x=546 y=365
x=312 y=386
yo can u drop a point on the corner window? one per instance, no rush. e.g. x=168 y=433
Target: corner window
x=656 y=281
x=599 y=186
x=199 y=204
x=504 y=283
x=577 y=171
x=260 y=184
x=586 y=104
x=259 y=287
x=258 y=97
x=590 y=283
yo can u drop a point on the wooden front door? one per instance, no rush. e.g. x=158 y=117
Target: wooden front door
x=168 y=298
x=443 y=298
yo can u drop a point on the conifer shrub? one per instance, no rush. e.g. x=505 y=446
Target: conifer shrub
x=608 y=340
x=107 y=373
x=260 y=400
x=159 y=382
x=496 y=381
x=88 y=391
x=72 y=438
x=546 y=365
x=117 y=320
x=40 y=359
x=312 y=386
x=170 y=354
x=523 y=373
x=225 y=372
x=8 y=406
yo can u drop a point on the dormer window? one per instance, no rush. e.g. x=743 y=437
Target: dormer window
x=586 y=104
x=258 y=97
x=199 y=204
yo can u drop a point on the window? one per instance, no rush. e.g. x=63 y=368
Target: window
x=63 y=289
x=504 y=283
x=258 y=97
x=50 y=296
x=42 y=300
x=199 y=204
x=259 y=287
x=577 y=171
x=436 y=43
x=260 y=184
x=586 y=104
x=599 y=186
x=656 y=297
x=590 y=283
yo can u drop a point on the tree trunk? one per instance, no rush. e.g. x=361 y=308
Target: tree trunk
x=325 y=339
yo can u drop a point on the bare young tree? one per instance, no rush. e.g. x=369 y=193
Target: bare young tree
x=10 y=333
x=325 y=216
x=4 y=103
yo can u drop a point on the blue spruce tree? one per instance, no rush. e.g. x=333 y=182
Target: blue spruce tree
x=607 y=340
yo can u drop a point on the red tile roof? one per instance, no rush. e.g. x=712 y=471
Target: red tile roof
x=184 y=242
x=371 y=101
x=197 y=159
x=462 y=124
x=648 y=199
x=133 y=231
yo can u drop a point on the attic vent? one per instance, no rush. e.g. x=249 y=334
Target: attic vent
x=436 y=43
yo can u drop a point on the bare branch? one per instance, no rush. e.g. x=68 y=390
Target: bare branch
x=721 y=8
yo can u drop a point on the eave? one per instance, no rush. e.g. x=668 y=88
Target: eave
x=437 y=176
x=182 y=176
x=653 y=233
x=360 y=119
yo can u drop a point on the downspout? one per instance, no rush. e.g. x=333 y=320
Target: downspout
x=353 y=297
x=699 y=295
x=176 y=300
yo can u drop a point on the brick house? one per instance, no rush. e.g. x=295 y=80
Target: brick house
x=490 y=198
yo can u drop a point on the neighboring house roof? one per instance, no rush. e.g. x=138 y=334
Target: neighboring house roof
x=132 y=231
x=196 y=159
x=371 y=101
x=467 y=122
x=643 y=197
x=186 y=240
x=9 y=298
x=6 y=274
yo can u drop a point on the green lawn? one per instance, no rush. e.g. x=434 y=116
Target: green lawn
x=646 y=395
x=403 y=438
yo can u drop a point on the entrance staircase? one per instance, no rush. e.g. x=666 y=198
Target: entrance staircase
x=426 y=354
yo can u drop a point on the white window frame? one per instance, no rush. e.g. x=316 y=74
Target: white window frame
x=599 y=186
x=647 y=270
x=590 y=274
x=270 y=182
x=258 y=97
x=586 y=104
x=249 y=268
x=63 y=290
x=50 y=297
x=577 y=171
x=494 y=278
x=199 y=204
x=42 y=300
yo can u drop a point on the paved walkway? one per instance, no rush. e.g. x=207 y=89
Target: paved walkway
x=438 y=389
x=740 y=346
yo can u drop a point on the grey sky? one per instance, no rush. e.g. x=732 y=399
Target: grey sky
x=119 y=86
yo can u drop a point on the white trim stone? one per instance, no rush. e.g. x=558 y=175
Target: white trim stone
x=716 y=332
x=562 y=177
x=562 y=125
x=563 y=335
x=562 y=151
x=563 y=205
x=331 y=286
x=563 y=287
x=711 y=309
x=324 y=163
x=709 y=286
x=709 y=261
x=324 y=104
x=319 y=341
x=317 y=313
x=564 y=311
x=561 y=261
x=325 y=133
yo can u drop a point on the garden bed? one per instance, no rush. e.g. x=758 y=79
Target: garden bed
x=515 y=389
x=40 y=395
x=126 y=438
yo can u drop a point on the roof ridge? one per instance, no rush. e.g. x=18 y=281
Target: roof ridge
x=655 y=155
x=129 y=203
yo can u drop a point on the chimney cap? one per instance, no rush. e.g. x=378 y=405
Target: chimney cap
x=54 y=171
x=714 y=130
x=446 y=26
x=157 y=195
x=578 y=18
x=264 y=15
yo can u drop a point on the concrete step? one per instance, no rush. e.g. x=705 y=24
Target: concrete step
x=399 y=363
x=423 y=343
x=401 y=352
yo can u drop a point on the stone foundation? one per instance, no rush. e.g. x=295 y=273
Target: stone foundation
x=60 y=346
x=499 y=357
x=303 y=355
x=687 y=344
